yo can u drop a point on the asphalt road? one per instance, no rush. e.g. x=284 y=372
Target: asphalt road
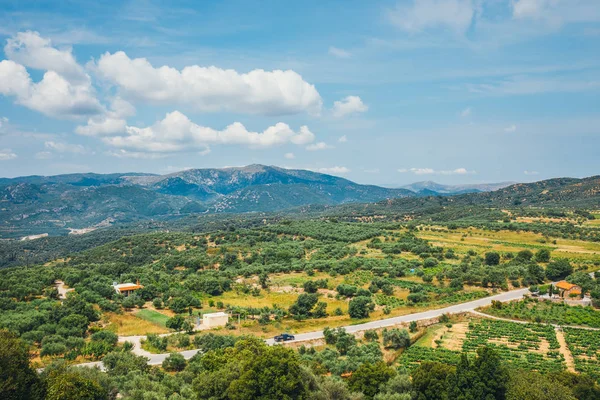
x=157 y=359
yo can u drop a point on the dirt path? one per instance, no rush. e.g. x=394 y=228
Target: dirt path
x=564 y=350
x=62 y=290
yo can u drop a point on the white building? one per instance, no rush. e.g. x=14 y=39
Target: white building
x=215 y=319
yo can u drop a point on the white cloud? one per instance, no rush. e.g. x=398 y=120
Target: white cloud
x=530 y=172
x=65 y=147
x=524 y=85
x=65 y=90
x=7 y=154
x=348 y=105
x=211 y=88
x=176 y=133
x=109 y=123
x=431 y=171
x=289 y=156
x=422 y=171
x=466 y=112
x=343 y=139
x=304 y=136
x=318 y=146
x=43 y=155
x=339 y=53
x=332 y=170
x=53 y=95
x=135 y=154
x=32 y=50
x=456 y=15
x=510 y=129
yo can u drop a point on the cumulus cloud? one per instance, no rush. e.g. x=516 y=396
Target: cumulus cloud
x=339 y=53
x=332 y=170
x=211 y=88
x=510 y=129
x=110 y=122
x=348 y=105
x=343 y=139
x=530 y=172
x=456 y=15
x=289 y=156
x=65 y=90
x=7 y=154
x=318 y=146
x=431 y=171
x=32 y=50
x=176 y=133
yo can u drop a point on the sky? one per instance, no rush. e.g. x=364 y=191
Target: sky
x=381 y=92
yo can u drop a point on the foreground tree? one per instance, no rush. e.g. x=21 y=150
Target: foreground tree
x=18 y=381
x=368 y=378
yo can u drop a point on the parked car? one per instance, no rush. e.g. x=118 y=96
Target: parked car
x=284 y=337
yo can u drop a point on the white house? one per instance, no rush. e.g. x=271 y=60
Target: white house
x=215 y=319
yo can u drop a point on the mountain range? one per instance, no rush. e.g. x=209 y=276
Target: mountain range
x=433 y=188
x=79 y=203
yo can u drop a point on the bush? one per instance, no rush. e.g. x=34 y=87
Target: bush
x=175 y=362
x=360 y=307
x=396 y=338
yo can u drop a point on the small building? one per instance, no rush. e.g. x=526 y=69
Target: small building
x=214 y=320
x=567 y=289
x=126 y=288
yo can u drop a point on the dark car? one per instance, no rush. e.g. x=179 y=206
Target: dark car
x=284 y=337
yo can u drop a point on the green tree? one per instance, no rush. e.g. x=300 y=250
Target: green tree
x=303 y=305
x=484 y=378
x=176 y=322
x=360 y=307
x=396 y=338
x=492 y=258
x=252 y=370
x=174 y=362
x=368 y=378
x=18 y=381
x=542 y=255
x=430 y=380
x=535 y=386
x=70 y=384
x=559 y=269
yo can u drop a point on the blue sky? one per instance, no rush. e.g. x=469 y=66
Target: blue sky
x=384 y=92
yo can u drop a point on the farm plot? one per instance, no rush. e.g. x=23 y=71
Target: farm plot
x=585 y=346
x=547 y=311
x=527 y=346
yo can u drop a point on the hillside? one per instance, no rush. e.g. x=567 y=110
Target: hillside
x=559 y=192
x=58 y=204
x=438 y=188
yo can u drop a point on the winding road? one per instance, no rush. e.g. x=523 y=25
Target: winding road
x=157 y=359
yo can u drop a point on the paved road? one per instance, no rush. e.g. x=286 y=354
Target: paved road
x=156 y=359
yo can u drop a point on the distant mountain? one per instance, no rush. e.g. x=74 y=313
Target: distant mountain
x=559 y=192
x=433 y=188
x=58 y=204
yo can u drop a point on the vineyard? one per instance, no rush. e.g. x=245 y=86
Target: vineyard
x=548 y=312
x=584 y=345
x=527 y=346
